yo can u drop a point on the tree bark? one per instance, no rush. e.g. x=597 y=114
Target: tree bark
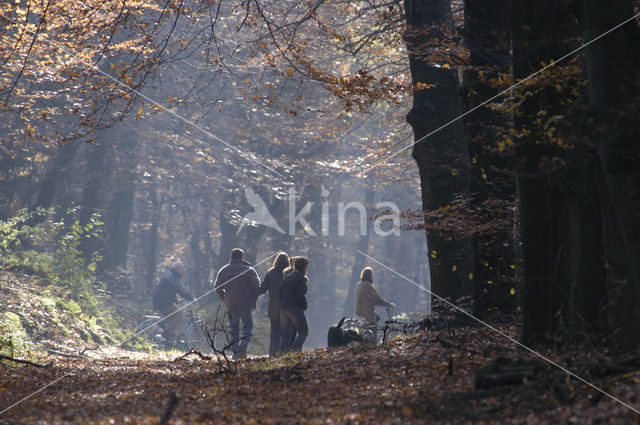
x=613 y=68
x=442 y=158
x=536 y=34
x=488 y=41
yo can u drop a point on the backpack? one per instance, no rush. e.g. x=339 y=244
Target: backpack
x=338 y=337
x=335 y=335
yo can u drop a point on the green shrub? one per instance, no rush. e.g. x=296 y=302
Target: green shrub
x=55 y=252
x=13 y=338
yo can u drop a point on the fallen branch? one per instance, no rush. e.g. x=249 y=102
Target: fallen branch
x=27 y=362
x=193 y=351
x=173 y=402
x=89 y=349
x=62 y=354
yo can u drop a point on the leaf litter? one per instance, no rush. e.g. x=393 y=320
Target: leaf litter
x=422 y=378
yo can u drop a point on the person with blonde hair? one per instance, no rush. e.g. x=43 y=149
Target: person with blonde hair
x=367 y=298
x=293 y=303
x=271 y=284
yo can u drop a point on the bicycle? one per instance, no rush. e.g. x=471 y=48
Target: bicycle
x=191 y=334
x=392 y=327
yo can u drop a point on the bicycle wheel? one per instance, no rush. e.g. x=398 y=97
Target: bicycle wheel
x=196 y=339
x=148 y=328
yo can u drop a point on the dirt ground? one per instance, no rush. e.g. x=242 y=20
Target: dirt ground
x=413 y=379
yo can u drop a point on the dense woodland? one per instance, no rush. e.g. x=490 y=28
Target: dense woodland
x=134 y=132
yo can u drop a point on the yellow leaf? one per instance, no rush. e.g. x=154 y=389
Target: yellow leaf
x=256 y=97
x=140 y=111
x=290 y=72
x=246 y=80
x=454 y=172
x=454 y=268
x=470 y=276
x=512 y=291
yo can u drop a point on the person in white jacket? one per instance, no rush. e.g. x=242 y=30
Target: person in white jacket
x=367 y=298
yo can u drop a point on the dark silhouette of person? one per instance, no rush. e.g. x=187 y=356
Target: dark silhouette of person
x=165 y=298
x=237 y=285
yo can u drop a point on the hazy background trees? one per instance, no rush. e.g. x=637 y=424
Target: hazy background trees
x=528 y=202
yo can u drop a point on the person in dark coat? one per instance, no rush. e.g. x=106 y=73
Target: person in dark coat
x=271 y=284
x=237 y=286
x=293 y=303
x=291 y=331
x=165 y=298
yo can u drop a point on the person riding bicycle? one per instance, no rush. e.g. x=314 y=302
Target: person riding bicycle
x=164 y=298
x=367 y=298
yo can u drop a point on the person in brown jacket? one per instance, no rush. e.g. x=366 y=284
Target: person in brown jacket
x=237 y=286
x=271 y=284
x=367 y=298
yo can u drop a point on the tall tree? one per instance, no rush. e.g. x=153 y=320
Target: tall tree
x=536 y=39
x=442 y=158
x=613 y=67
x=487 y=37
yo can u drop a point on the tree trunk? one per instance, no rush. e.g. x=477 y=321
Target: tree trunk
x=47 y=189
x=613 y=67
x=536 y=35
x=94 y=192
x=488 y=41
x=442 y=158
x=152 y=240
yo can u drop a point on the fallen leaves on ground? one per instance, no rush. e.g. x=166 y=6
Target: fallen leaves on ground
x=413 y=379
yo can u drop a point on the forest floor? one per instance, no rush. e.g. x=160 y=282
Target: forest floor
x=423 y=378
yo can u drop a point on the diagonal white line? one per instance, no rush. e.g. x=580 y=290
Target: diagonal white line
x=531 y=350
x=191 y=302
x=152 y=101
x=137 y=333
x=553 y=63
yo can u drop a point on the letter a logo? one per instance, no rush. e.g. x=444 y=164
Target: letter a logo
x=260 y=213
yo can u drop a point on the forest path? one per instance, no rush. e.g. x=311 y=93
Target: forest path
x=407 y=381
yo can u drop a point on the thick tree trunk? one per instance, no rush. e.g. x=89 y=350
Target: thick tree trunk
x=613 y=68
x=47 y=188
x=442 y=158
x=119 y=209
x=587 y=294
x=488 y=41
x=94 y=191
x=536 y=38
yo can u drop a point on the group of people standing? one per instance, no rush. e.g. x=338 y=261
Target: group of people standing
x=238 y=287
